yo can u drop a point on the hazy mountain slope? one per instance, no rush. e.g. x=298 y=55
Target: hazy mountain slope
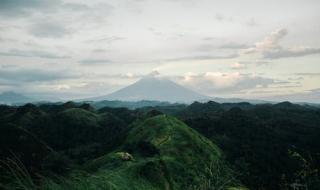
x=152 y=88
x=12 y=97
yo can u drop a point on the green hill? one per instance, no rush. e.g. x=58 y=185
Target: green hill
x=159 y=153
x=97 y=150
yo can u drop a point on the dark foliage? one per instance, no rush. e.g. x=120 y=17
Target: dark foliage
x=271 y=146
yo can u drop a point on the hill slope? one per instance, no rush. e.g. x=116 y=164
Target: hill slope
x=12 y=97
x=161 y=153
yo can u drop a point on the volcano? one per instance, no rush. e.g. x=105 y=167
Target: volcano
x=155 y=89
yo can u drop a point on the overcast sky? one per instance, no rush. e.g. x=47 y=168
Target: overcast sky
x=231 y=48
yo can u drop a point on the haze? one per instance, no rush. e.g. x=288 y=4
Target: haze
x=73 y=49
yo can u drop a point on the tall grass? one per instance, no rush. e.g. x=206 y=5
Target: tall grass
x=217 y=177
x=19 y=176
x=21 y=179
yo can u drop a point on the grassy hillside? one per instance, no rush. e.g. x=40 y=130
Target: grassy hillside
x=159 y=153
x=166 y=154
x=74 y=146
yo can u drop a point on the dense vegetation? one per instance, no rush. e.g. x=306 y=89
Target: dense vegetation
x=272 y=146
x=83 y=146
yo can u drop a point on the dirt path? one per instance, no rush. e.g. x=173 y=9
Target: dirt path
x=168 y=138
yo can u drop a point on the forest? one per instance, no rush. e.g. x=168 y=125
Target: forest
x=200 y=146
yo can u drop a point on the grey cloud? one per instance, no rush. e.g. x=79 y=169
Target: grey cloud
x=262 y=92
x=270 y=49
x=226 y=46
x=288 y=86
x=76 y=7
x=209 y=38
x=99 y=50
x=256 y=62
x=250 y=83
x=123 y=76
x=94 y=61
x=221 y=17
x=7 y=40
x=282 y=82
x=108 y=40
x=262 y=62
x=252 y=22
x=233 y=45
x=32 y=75
x=47 y=29
x=297 y=78
x=226 y=83
x=308 y=74
x=33 y=53
x=203 y=57
x=269 y=43
x=16 y=8
x=290 y=52
x=211 y=42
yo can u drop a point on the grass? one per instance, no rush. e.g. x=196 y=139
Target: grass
x=173 y=157
x=183 y=153
x=18 y=174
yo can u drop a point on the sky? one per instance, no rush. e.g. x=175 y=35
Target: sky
x=69 y=49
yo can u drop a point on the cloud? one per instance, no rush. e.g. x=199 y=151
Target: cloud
x=32 y=75
x=203 y=57
x=269 y=47
x=48 y=29
x=252 y=22
x=216 y=43
x=17 y=8
x=308 y=74
x=214 y=83
x=256 y=62
x=238 y=66
x=268 y=43
x=233 y=45
x=291 y=52
x=33 y=53
x=106 y=39
x=121 y=76
x=76 y=7
x=94 y=61
x=220 y=17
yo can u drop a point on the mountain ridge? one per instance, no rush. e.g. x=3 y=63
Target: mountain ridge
x=10 y=97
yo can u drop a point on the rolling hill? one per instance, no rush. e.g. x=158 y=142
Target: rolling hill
x=158 y=153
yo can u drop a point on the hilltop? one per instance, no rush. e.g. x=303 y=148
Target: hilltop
x=166 y=154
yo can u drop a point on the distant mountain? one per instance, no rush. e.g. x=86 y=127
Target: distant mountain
x=155 y=89
x=13 y=98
